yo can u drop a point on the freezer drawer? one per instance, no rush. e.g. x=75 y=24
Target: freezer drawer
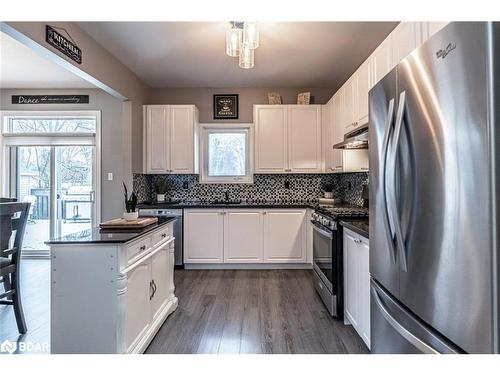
x=395 y=330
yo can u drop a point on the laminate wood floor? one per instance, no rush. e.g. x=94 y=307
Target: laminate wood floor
x=35 y=297
x=220 y=311
x=251 y=311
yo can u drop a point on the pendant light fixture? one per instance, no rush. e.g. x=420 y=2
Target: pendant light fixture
x=251 y=34
x=242 y=39
x=234 y=39
x=247 y=57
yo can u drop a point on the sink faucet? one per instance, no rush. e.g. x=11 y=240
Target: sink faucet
x=226 y=195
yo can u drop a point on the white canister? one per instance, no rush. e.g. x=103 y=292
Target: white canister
x=160 y=197
x=131 y=216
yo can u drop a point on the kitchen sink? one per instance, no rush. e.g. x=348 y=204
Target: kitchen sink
x=225 y=202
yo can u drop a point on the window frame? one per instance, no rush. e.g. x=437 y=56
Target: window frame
x=205 y=130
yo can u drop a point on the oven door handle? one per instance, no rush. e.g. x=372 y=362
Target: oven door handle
x=322 y=231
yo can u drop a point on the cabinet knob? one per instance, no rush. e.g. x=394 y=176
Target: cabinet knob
x=164 y=235
x=142 y=248
x=264 y=213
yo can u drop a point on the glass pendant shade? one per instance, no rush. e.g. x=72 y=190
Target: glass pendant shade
x=233 y=41
x=247 y=57
x=251 y=35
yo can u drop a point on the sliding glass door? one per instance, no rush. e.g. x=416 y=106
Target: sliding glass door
x=74 y=191
x=32 y=179
x=52 y=163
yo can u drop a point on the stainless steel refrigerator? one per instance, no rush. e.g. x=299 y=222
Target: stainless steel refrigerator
x=434 y=181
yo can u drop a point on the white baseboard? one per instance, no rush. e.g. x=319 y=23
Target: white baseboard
x=248 y=266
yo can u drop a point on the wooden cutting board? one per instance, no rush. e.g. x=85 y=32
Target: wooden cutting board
x=124 y=224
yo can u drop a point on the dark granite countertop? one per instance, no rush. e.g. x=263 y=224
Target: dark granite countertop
x=361 y=227
x=96 y=235
x=243 y=204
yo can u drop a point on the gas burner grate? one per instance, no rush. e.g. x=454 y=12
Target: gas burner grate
x=343 y=212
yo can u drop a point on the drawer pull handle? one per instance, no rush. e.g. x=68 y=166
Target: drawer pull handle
x=164 y=235
x=142 y=248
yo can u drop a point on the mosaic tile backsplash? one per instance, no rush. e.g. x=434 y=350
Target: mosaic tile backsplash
x=266 y=187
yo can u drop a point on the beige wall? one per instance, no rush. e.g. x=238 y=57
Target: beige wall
x=203 y=98
x=99 y=67
x=111 y=137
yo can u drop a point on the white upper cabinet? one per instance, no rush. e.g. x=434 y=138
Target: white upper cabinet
x=333 y=129
x=382 y=60
x=350 y=108
x=304 y=138
x=287 y=138
x=170 y=139
x=405 y=38
x=364 y=85
x=271 y=146
x=182 y=138
x=431 y=28
x=156 y=121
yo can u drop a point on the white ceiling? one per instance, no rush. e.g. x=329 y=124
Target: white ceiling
x=192 y=54
x=22 y=68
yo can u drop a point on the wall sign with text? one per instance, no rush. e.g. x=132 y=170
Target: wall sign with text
x=226 y=106
x=63 y=44
x=50 y=99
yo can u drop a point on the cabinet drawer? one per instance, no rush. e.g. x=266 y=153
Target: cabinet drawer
x=136 y=249
x=161 y=235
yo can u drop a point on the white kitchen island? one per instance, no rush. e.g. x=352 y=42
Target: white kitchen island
x=111 y=292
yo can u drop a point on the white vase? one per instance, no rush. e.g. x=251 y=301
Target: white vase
x=131 y=216
x=160 y=197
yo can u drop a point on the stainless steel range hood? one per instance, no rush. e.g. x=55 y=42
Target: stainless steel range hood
x=354 y=140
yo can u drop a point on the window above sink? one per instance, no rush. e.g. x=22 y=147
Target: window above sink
x=226 y=153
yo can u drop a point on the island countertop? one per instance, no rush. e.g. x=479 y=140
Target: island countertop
x=98 y=235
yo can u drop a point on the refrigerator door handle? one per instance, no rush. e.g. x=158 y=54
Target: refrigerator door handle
x=386 y=215
x=392 y=183
x=410 y=337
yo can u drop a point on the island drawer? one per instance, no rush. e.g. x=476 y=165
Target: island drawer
x=161 y=235
x=136 y=249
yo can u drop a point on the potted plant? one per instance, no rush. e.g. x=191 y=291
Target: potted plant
x=130 y=204
x=161 y=189
x=328 y=191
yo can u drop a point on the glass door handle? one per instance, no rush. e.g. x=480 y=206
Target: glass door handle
x=92 y=196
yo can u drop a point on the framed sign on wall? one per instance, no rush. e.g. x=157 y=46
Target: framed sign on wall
x=226 y=106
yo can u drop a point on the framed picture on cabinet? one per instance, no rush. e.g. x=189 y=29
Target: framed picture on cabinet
x=226 y=107
x=304 y=98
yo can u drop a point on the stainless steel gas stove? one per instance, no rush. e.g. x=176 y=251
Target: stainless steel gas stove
x=328 y=253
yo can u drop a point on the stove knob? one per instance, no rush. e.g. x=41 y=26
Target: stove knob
x=327 y=223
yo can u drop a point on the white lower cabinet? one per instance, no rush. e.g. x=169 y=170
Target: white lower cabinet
x=357 y=284
x=203 y=236
x=245 y=236
x=137 y=303
x=160 y=280
x=111 y=297
x=284 y=236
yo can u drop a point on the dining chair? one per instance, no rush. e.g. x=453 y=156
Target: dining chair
x=13 y=217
